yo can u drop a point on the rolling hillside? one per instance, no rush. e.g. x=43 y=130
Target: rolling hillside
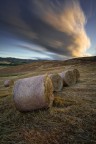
x=71 y=120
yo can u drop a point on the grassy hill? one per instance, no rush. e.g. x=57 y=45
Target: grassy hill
x=13 y=61
x=71 y=120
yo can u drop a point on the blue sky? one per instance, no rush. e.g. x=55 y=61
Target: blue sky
x=89 y=10
x=47 y=29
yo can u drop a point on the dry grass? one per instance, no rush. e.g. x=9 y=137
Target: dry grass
x=61 y=102
x=72 y=120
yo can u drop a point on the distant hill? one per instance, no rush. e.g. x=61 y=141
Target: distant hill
x=21 y=66
x=13 y=61
x=16 y=61
x=81 y=60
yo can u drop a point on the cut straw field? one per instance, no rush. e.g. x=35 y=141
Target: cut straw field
x=71 y=120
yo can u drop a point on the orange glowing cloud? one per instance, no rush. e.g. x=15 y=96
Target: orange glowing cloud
x=71 y=20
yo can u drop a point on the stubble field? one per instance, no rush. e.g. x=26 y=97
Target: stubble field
x=71 y=120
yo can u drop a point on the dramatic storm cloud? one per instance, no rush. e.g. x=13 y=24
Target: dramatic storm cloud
x=68 y=19
x=56 y=27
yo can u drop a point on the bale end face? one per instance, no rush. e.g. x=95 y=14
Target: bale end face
x=69 y=78
x=57 y=82
x=8 y=83
x=77 y=73
x=48 y=91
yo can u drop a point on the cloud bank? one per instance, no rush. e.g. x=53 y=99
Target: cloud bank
x=70 y=20
x=56 y=25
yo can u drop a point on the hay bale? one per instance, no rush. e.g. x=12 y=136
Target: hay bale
x=77 y=74
x=57 y=82
x=8 y=83
x=33 y=93
x=68 y=78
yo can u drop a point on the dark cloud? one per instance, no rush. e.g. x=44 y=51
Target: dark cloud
x=54 y=25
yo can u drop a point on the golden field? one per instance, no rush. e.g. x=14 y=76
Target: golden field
x=71 y=120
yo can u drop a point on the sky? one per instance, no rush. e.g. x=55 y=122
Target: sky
x=47 y=29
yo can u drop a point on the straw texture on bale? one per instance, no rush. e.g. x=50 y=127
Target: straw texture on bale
x=68 y=78
x=8 y=83
x=33 y=93
x=77 y=74
x=57 y=82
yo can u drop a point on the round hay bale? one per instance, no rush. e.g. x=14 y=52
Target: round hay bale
x=68 y=78
x=33 y=93
x=8 y=83
x=57 y=82
x=77 y=74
